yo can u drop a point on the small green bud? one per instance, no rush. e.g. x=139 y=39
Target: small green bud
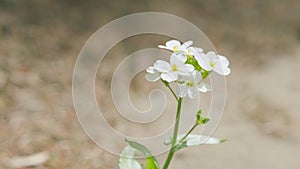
x=205 y=120
x=204 y=73
x=192 y=61
x=200 y=118
x=199 y=114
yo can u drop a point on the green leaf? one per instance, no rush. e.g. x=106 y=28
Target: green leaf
x=127 y=160
x=193 y=140
x=151 y=162
x=139 y=147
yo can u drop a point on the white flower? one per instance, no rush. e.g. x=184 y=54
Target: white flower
x=175 y=46
x=212 y=61
x=191 y=85
x=152 y=74
x=204 y=87
x=171 y=71
x=181 y=56
x=192 y=51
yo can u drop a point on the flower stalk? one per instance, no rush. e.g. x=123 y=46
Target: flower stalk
x=188 y=66
x=175 y=134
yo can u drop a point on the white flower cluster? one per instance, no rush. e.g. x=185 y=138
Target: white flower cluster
x=187 y=67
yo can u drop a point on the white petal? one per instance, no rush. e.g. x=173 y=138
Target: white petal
x=180 y=56
x=190 y=67
x=175 y=60
x=182 y=90
x=195 y=50
x=204 y=87
x=180 y=79
x=222 y=69
x=212 y=55
x=203 y=61
x=162 y=66
x=165 y=47
x=151 y=69
x=173 y=43
x=185 y=69
x=152 y=77
x=185 y=45
x=187 y=77
x=197 y=76
x=169 y=76
x=192 y=92
x=198 y=50
x=224 y=60
x=162 y=46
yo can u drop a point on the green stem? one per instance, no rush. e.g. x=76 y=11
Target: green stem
x=175 y=133
x=188 y=133
x=173 y=92
x=169 y=158
x=168 y=85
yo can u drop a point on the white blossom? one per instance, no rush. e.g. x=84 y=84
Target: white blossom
x=181 y=56
x=176 y=46
x=191 y=85
x=152 y=74
x=192 y=51
x=212 y=61
x=171 y=71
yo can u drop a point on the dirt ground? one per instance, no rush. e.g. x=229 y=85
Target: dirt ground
x=39 y=44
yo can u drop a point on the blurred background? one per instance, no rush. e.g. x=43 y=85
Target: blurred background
x=39 y=44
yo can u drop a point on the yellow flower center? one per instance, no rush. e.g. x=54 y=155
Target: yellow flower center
x=174 y=68
x=190 y=83
x=212 y=64
x=189 y=51
x=175 y=49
